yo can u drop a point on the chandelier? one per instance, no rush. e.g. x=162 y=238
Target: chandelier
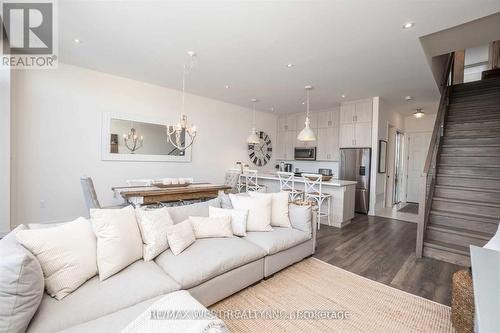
x=133 y=142
x=177 y=134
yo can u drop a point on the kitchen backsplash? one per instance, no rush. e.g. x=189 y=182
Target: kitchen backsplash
x=313 y=166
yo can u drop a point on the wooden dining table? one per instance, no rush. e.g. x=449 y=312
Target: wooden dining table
x=146 y=195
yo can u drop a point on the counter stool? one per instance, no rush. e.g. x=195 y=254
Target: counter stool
x=251 y=182
x=287 y=184
x=314 y=192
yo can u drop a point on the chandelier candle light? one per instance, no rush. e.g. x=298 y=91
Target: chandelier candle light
x=132 y=141
x=307 y=133
x=175 y=132
x=253 y=138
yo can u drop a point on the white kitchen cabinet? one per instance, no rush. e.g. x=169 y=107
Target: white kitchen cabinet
x=363 y=112
x=287 y=123
x=363 y=135
x=328 y=144
x=347 y=135
x=325 y=119
x=347 y=113
x=279 y=148
x=285 y=145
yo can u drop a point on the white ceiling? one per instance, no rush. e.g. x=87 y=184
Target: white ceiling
x=352 y=47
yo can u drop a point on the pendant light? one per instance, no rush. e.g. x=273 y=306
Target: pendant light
x=419 y=113
x=253 y=138
x=307 y=133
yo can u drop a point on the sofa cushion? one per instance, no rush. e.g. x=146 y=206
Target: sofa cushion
x=207 y=258
x=301 y=217
x=136 y=283
x=21 y=284
x=113 y=322
x=181 y=213
x=277 y=240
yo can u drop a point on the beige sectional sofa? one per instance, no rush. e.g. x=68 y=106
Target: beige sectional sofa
x=210 y=269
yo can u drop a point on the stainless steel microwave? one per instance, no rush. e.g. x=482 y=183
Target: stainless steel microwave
x=307 y=154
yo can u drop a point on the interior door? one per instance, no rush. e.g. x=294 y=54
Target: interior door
x=418 y=145
x=390 y=174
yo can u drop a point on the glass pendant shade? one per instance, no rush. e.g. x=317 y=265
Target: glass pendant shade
x=419 y=113
x=253 y=138
x=307 y=134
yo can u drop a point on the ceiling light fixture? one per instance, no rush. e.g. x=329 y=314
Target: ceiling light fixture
x=307 y=133
x=77 y=41
x=419 y=113
x=176 y=134
x=343 y=96
x=408 y=98
x=290 y=65
x=253 y=138
x=408 y=25
x=227 y=86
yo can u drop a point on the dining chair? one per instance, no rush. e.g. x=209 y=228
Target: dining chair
x=252 y=181
x=90 y=195
x=232 y=179
x=313 y=190
x=287 y=184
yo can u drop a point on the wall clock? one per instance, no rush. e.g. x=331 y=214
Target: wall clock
x=260 y=153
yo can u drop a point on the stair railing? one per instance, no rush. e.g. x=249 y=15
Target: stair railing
x=428 y=177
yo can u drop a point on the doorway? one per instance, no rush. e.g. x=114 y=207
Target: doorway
x=398 y=168
x=418 y=145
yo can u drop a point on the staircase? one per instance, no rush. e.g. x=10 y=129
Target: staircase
x=465 y=204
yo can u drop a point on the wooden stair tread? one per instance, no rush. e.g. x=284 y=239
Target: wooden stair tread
x=447 y=247
x=468 y=176
x=460 y=231
x=470 y=189
x=464 y=216
x=447 y=145
x=467 y=202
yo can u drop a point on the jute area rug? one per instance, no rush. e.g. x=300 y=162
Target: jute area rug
x=314 y=296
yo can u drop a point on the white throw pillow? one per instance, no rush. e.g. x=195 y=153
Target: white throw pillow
x=259 y=211
x=180 y=236
x=67 y=255
x=119 y=241
x=279 y=208
x=211 y=227
x=238 y=218
x=153 y=225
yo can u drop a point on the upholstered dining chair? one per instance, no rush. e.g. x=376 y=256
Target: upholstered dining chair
x=232 y=179
x=90 y=195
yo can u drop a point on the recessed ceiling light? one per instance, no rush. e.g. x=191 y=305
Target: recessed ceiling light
x=343 y=96
x=227 y=86
x=77 y=41
x=290 y=65
x=303 y=103
x=408 y=25
x=408 y=98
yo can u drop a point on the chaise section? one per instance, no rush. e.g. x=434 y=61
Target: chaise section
x=139 y=282
x=208 y=258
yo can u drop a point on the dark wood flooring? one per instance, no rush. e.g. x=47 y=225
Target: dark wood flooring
x=383 y=250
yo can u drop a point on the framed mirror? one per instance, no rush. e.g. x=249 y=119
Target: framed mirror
x=127 y=137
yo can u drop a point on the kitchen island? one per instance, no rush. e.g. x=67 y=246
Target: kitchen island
x=342 y=191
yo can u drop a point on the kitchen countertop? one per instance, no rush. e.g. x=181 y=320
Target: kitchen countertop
x=331 y=182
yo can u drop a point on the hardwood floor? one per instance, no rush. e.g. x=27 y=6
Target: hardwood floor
x=383 y=250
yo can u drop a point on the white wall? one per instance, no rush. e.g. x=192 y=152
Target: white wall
x=57 y=134
x=424 y=124
x=5 y=149
x=381 y=121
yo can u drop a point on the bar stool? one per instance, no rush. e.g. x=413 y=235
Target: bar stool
x=287 y=184
x=252 y=182
x=313 y=191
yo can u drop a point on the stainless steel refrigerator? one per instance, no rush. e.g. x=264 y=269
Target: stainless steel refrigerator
x=355 y=165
